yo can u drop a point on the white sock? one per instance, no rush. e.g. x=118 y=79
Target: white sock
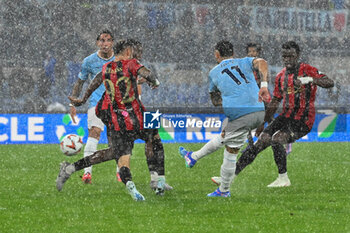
x=154 y=176
x=283 y=176
x=227 y=171
x=211 y=146
x=90 y=148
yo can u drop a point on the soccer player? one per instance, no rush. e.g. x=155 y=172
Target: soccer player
x=296 y=86
x=121 y=111
x=232 y=85
x=151 y=160
x=91 y=66
x=252 y=50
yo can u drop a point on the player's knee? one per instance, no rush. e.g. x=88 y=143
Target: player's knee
x=95 y=132
x=279 y=138
x=265 y=138
x=232 y=150
x=125 y=174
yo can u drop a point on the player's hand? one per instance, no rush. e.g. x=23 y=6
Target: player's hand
x=73 y=113
x=264 y=95
x=305 y=80
x=259 y=129
x=76 y=102
x=154 y=84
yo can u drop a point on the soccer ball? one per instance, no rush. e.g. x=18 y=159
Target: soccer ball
x=71 y=144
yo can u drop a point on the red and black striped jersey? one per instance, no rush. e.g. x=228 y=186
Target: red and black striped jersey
x=298 y=101
x=121 y=102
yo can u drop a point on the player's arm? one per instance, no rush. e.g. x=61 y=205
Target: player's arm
x=78 y=86
x=216 y=99
x=323 y=81
x=149 y=76
x=262 y=68
x=96 y=82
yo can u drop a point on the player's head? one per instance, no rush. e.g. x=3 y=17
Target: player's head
x=124 y=47
x=223 y=50
x=290 y=54
x=253 y=49
x=105 y=41
x=137 y=48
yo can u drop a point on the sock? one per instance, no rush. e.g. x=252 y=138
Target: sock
x=280 y=156
x=90 y=148
x=70 y=169
x=211 y=146
x=154 y=176
x=227 y=171
x=283 y=176
x=155 y=160
x=125 y=174
x=245 y=159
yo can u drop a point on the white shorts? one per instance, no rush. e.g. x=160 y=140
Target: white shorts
x=93 y=120
x=236 y=131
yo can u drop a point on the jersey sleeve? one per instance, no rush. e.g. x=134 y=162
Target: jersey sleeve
x=84 y=72
x=277 y=91
x=249 y=62
x=312 y=71
x=134 y=67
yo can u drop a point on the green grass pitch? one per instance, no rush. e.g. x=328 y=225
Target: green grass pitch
x=317 y=201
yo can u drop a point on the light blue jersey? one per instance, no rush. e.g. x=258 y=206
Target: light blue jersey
x=92 y=65
x=234 y=78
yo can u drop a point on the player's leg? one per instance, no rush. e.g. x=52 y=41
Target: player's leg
x=154 y=152
x=67 y=169
x=217 y=179
x=95 y=126
x=234 y=137
x=126 y=177
x=192 y=157
x=261 y=144
x=292 y=130
x=278 y=140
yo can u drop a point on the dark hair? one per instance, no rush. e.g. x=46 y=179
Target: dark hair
x=105 y=31
x=225 y=48
x=254 y=45
x=121 y=45
x=291 y=45
x=135 y=43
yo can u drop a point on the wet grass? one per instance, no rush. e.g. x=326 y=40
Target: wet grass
x=317 y=201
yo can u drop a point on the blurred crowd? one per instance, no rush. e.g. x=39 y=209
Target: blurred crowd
x=44 y=43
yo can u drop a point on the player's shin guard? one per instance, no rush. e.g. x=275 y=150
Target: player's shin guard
x=125 y=174
x=227 y=171
x=280 y=156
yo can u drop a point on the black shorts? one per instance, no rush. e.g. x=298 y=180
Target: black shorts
x=294 y=128
x=123 y=141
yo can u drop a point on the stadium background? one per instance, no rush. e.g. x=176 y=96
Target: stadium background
x=44 y=43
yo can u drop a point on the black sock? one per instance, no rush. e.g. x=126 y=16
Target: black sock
x=155 y=160
x=280 y=155
x=245 y=159
x=82 y=163
x=125 y=174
